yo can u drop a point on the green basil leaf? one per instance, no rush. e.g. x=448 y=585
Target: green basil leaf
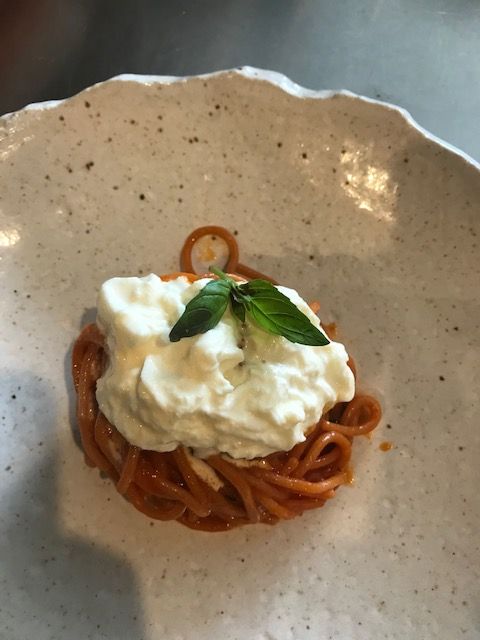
x=203 y=312
x=275 y=313
x=238 y=307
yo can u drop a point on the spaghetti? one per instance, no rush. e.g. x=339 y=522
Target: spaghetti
x=165 y=486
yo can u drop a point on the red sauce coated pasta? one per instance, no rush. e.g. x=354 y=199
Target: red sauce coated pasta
x=165 y=486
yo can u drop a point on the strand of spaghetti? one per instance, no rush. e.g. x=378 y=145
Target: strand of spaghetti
x=303 y=487
x=299 y=450
x=89 y=334
x=129 y=467
x=326 y=459
x=330 y=437
x=222 y=507
x=109 y=440
x=294 y=456
x=232 y=266
x=235 y=477
x=142 y=503
x=264 y=487
x=193 y=481
x=155 y=485
x=275 y=507
x=103 y=440
x=213 y=524
x=87 y=412
x=212 y=500
x=350 y=423
x=299 y=505
x=159 y=462
x=186 y=262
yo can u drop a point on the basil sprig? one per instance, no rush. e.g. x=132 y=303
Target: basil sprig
x=258 y=299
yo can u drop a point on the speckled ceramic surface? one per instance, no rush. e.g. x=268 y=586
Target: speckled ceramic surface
x=340 y=197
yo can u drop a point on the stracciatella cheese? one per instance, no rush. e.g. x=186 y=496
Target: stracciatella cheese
x=234 y=389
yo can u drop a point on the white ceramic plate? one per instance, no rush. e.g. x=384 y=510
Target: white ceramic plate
x=341 y=197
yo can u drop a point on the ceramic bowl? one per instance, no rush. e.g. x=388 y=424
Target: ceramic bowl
x=343 y=198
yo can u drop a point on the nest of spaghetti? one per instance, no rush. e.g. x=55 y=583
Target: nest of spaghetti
x=165 y=486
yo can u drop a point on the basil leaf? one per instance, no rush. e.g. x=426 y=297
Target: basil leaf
x=203 y=312
x=277 y=314
x=238 y=307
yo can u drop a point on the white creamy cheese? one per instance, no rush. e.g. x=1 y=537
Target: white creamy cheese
x=244 y=394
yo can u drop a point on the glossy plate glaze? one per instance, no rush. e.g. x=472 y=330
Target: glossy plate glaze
x=346 y=200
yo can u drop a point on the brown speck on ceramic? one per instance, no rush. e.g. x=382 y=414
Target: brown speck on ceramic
x=390 y=250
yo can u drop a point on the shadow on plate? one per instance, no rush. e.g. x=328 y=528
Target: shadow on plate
x=54 y=583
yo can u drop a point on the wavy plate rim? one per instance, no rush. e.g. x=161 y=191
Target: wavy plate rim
x=275 y=78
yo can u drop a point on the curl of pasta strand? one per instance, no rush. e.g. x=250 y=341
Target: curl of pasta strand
x=90 y=334
x=87 y=415
x=235 y=477
x=326 y=459
x=299 y=450
x=128 y=470
x=351 y=423
x=318 y=446
x=159 y=461
x=110 y=440
x=303 y=487
x=143 y=476
x=140 y=501
x=259 y=485
x=152 y=484
x=294 y=455
x=193 y=481
x=304 y=504
x=222 y=507
x=186 y=262
x=213 y=524
x=232 y=266
x=103 y=440
x=275 y=508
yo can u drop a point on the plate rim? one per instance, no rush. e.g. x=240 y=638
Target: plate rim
x=274 y=78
